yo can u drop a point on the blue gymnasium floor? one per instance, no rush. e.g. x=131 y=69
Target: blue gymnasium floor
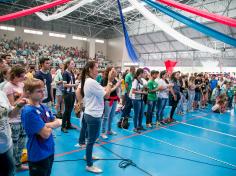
x=202 y=143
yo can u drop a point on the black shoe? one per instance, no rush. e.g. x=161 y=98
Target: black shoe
x=141 y=128
x=64 y=130
x=136 y=130
x=71 y=128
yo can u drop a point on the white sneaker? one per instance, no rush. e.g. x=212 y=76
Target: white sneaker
x=112 y=133
x=94 y=169
x=80 y=146
x=104 y=136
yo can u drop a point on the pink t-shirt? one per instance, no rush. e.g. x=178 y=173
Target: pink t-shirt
x=16 y=91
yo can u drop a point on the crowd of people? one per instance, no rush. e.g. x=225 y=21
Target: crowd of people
x=28 y=97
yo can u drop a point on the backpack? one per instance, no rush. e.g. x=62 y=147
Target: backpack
x=123 y=123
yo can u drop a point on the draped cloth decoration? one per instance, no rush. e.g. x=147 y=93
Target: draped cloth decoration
x=63 y=10
x=193 y=24
x=217 y=18
x=170 y=65
x=131 y=52
x=170 y=31
x=32 y=10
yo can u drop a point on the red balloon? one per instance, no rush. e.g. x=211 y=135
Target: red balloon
x=218 y=18
x=32 y=10
x=170 y=65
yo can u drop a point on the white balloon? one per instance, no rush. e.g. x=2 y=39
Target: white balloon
x=170 y=31
x=63 y=13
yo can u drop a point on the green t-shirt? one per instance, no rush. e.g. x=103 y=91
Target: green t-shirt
x=152 y=96
x=128 y=80
x=230 y=93
x=99 y=78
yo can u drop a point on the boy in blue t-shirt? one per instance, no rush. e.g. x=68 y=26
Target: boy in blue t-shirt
x=38 y=123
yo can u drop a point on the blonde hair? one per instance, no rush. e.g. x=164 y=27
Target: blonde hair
x=30 y=85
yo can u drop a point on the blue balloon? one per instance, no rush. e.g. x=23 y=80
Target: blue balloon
x=193 y=24
x=132 y=54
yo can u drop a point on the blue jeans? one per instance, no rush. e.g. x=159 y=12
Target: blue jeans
x=138 y=113
x=180 y=106
x=109 y=114
x=191 y=95
x=161 y=104
x=128 y=105
x=151 y=105
x=83 y=133
x=93 y=128
x=7 y=163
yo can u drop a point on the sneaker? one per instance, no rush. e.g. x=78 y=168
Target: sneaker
x=158 y=124
x=163 y=122
x=71 y=127
x=104 y=136
x=64 y=130
x=141 y=128
x=80 y=145
x=136 y=130
x=111 y=133
x=94 y=169
x=93 y=157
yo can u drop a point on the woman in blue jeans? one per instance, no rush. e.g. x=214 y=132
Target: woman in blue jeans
x=110 y=105
x=163 y=95
x=93 y=98
x=136 y=94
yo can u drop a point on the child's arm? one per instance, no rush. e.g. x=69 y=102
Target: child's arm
x=54 y=124
x=45 y=132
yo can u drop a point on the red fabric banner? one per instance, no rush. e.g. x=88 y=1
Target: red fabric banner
x=218 y=18
x=170 y=65
x=32 y=10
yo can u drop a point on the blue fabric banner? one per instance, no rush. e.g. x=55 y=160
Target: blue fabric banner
x=132 y=54
x=193 y=24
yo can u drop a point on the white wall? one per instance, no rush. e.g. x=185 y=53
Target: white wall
x=116 y=50
x=45 y=39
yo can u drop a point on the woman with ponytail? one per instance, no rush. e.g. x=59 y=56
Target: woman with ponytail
x=93 y=97
x=69 y=94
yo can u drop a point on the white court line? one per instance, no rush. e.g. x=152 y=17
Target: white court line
x=185 y=149
x=218 y=122
x=186 y=134
x=206 y=129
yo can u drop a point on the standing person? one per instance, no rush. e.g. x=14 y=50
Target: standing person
x=175 y=94
x=38 y=123
x=53 y=73
x=6 y=146
x=14 y=91
x=163 y=95
x=128 y=85
x=198 y=91
x=44 y=75
x=230 y=95
x=191 y=93
x=93 y=97
x=69 y=95
x=136 y=95
x=110 y=104
x=59 y=91
x=213 y=83
x=151 y=98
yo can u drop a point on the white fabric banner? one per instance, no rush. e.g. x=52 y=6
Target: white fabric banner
x=170 y=31
x=63 y=13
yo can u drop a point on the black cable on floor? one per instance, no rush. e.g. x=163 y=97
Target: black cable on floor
x=168 y=155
